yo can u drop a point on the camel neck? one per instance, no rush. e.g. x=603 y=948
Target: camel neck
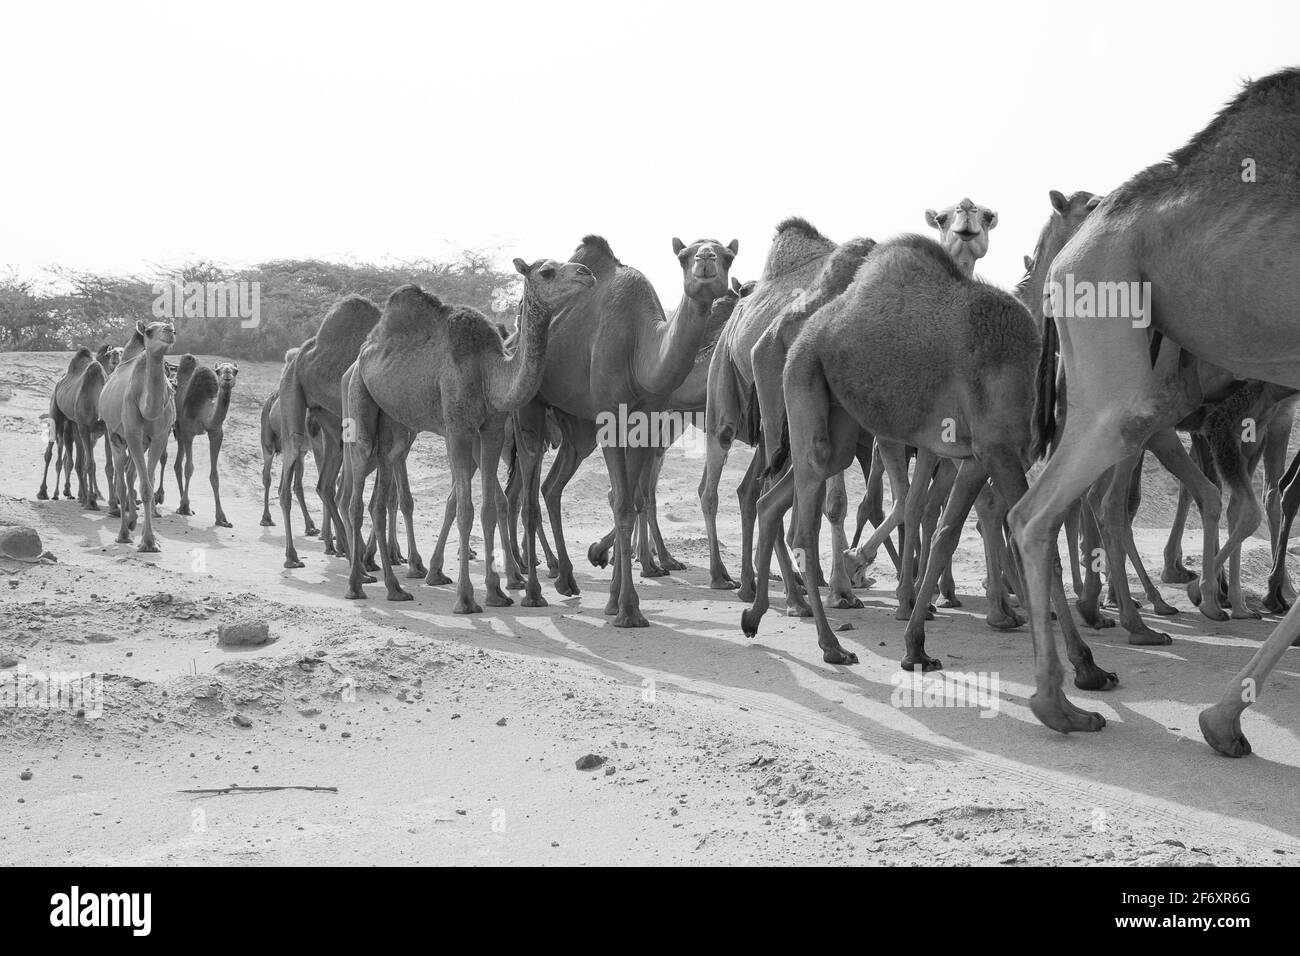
x=154 y=395
x=666 y=351
x=518 y=377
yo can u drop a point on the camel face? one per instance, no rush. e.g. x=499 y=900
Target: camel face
x=706 y=265
x=158 y=336
x=226 y=373
x=112 y=359
x=556 y=284
x=964 y=231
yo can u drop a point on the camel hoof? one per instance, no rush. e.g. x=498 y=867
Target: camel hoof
x=123 y=538
x=950 y=602
x=42 y=495
x=467 y=606
x=91 y=506
x=311 y=531
x=113 y=512
x=838 y=655
x=1148 y=637
x=1005 y=620
x=355 y=593
x=1245 y=614
x=749 y=619
x=904 y=613
x=654 y=571
x=1276 y=604
x=565 y=585
x=149 y=547
x=293 y=563
x=598 y=556
x=632 y=618
x=223 y=523
x=551 y=572
x=798 y=609
x=1062 y=716
x=400 y=595
x=184 y=510
x=844 y=602
x=1088 y=676
x=368 y=579
x=534 y=602
x=498 y=600
x=414 y=572
x=436 y=578
x=518 y=584
x=266 y=522
x=1164 y=608
x=672 y=564
x=1221 y=729
x=927 y=663
x=1176 y=574
x=368 y=563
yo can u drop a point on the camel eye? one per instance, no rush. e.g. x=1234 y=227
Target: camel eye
x=548 y=273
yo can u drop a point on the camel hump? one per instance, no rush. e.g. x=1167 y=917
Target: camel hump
x=349 y=318
x=594 y=253
x=410 y=312
x=1269 y=106
x=924 y=251
x=797 y=242
x=472 y=334
x=201 y=390
x=80 y=359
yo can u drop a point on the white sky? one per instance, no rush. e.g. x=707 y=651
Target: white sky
x=145 y=133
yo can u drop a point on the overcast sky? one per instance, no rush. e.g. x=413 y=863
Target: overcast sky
x=143 y=133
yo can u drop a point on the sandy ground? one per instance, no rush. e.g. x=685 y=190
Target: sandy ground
x=453 y=739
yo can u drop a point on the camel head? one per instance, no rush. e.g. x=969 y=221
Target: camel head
x=964 y=231
x=112 y=359
x=1068 y=213
x=158 y=336
x=706 y=265
x=554 y=284
x=226 y=373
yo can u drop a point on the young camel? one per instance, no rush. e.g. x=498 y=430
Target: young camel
x=138 y=408
x=203 y=399
x=433 y=367
x=959 y=384
x=61 y=432
x=1221 y=252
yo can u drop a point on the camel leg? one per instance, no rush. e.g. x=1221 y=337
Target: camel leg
x=772 y=504
x=1276 y=443
x=1158 y=604
x=415 y=564
x=715 y=458
x=491 y=438
x=624 y=466
x=380 y=512
x=268 y=461
x=436 y=576
x=1072 y=545
x=747 y=494
x=86 y=445
x=1175 y=572
x=940 y=489
x=579 y=442
x=145 y=460
x=530 y=444
x=44 y=493
x=666 y=560
x=1221 y=724
x=1113 y=514
x=215 y=438
x=1277 y=599
x=126 y=501
x=1089 y=602
x=68 y=453
x=970 y=479
x=992 y=519
x=894 y=459
x=294 y=442
x=837 y=505
x=184 y=470
x=913 y=507
x=331 y=464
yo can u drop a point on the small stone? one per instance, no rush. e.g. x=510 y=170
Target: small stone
x=590 y=762
x=309 y=711
x=501 y=722
x=8 y=660
x=99 y=637
x=239 y=720
x=347 y=733
x=25 y=775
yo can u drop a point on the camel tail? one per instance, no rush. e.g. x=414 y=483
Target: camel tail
x=752 y=428
x=1044 y=427
x=513 y=463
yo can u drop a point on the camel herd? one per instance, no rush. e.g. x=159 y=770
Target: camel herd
x=891 y=354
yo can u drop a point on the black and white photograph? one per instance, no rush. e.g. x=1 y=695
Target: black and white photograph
x=584 y=435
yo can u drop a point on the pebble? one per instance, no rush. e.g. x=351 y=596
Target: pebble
x=590 y=762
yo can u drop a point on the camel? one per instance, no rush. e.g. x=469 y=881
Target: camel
x=61 y=432
x=310 y=382
x=138 y=408
x=959 y=385
x=689 y=398
x=78 y=403
x=433 y=367
x=202 y=401
x=964 y=231
x=1218 y=245
x=272 y=428
x=617 y=352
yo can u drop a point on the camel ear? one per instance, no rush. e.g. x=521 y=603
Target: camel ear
x=990 y=219
x=1094 y=202
x=139 y=326
x=1029 y=263
x=734 y=246
x=932 y=219
x=735 y=285
x=1059 y=202
x=521 y=267
x=678 y=246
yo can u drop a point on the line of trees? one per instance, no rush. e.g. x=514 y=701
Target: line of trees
x=87 y=308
